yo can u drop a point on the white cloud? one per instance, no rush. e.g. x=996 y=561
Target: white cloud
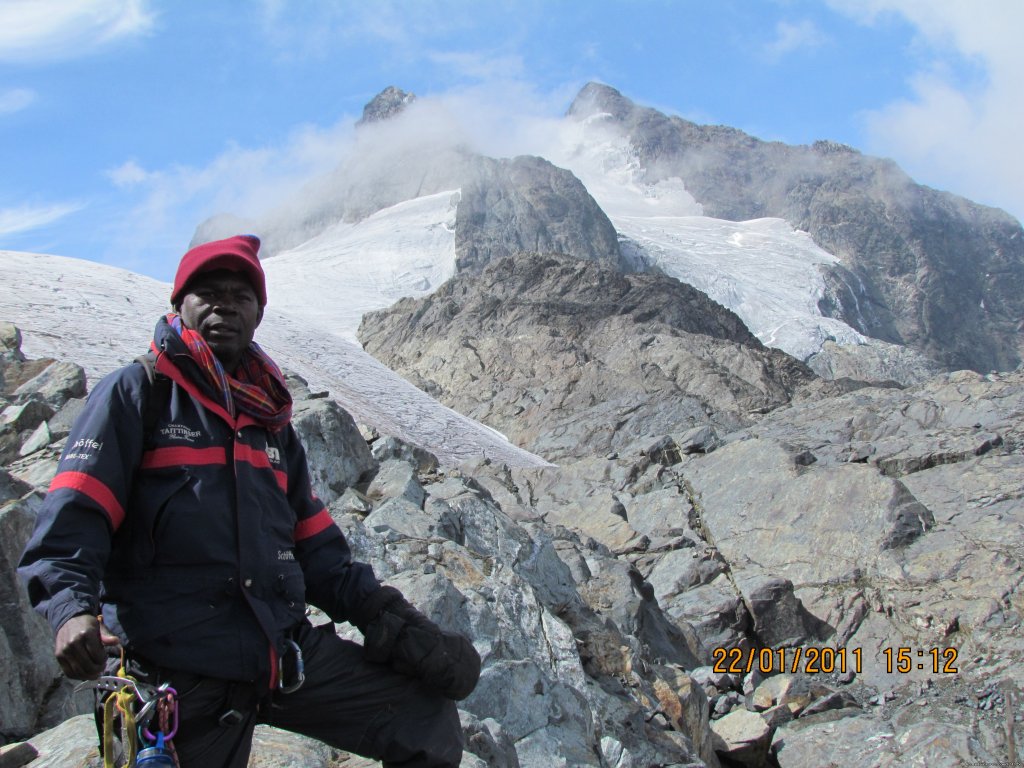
x=57 y=30
x=26 y=217
x=15 y=100
x=171 y=202
x=479 y=65
x=301 y=28
x=791 y=37
x=961 y=136
x=252 y=182
x=128 y=174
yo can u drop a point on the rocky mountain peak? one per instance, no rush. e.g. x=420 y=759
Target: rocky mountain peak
x=596 y=98
x=385 y=105
x=529 y=204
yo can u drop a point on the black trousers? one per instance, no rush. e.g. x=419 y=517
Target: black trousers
x=346 y=702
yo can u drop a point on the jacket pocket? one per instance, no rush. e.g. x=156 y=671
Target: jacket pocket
x=149 y=511
x=164 y=512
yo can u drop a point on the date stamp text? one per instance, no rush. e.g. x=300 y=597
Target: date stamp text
x=815 y=660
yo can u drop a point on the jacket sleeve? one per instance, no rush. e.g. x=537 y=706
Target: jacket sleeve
x=335 y=582
x=64 y=560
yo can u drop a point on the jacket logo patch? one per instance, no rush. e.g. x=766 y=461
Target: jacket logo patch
x=180 y=432
x=274 y=455
x=83 y=448
x=285 y=554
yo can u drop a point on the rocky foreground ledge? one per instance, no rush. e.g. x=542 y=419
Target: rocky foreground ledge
x=839 y=584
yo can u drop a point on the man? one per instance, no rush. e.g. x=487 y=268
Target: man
x=200 y=542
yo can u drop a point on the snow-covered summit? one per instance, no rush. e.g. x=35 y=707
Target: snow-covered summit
x=763 y=270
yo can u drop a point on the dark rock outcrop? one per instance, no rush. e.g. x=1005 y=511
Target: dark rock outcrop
x=572 y=358
x=385 y=105
x=528 y=204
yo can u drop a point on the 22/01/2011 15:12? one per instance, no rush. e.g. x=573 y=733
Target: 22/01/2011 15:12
x=823 y=660
x=935 y=660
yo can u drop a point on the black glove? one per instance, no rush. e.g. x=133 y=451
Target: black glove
x=397 y=634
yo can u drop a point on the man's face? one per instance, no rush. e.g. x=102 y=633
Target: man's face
x=222 y=307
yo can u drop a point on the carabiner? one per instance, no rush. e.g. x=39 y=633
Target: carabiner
x=300 y=669
x=166 y=697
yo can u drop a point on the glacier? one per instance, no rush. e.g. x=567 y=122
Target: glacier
x=764 y=270
x=102 y=317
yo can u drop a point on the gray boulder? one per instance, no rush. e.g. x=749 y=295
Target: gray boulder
x=743 y=736
x=337 y=454
x=10 y=343
x=55 y=385
x=33 y=692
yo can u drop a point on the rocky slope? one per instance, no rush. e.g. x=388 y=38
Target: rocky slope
x=735 y=562
x=585 y=686
x=764 y=509
x=640 y=605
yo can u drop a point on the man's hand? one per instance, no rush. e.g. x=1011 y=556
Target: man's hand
x=80 y=647
x=412 y=644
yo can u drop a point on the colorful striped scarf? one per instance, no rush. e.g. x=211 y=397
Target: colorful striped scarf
x=257 y=388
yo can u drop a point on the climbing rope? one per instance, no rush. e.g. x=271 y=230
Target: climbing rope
x=138 y=704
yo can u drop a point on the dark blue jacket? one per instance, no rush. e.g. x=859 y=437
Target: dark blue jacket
x=201 y=547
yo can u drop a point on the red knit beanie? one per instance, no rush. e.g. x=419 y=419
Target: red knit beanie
x=237 y=254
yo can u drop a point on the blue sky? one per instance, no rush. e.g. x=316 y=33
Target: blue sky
x=124 y=123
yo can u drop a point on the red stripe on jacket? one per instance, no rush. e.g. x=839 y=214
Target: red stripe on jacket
x=177 y=456
x=260 y=460
x=95 y=489
x=313 y=525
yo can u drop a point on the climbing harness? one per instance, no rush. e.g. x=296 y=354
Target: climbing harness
x=146 y=715
x=140 y=706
